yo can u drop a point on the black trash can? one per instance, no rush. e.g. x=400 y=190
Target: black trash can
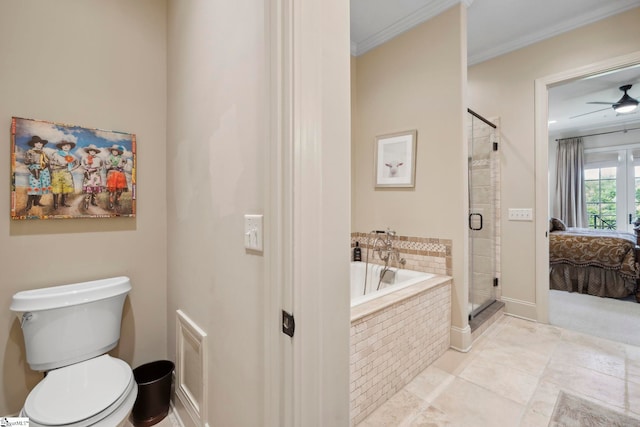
x=154 y=392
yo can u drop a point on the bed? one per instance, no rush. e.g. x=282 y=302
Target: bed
x=595 y=262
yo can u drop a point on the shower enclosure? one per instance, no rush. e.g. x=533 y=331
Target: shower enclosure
x=483 y=172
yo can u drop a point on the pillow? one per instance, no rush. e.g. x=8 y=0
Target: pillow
x=556 y=224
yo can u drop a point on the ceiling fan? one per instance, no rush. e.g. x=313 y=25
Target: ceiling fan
x=624 y=105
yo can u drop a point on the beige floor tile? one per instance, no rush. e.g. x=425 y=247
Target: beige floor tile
x=633 y=363
x=544 y=398
x=528 y=335
x=633 y=398
x=401 y=407
x=534 y=419
x=503 y=380
x=466 y=404
x=453 y=362
x=493 y=329
x=516 y=357
x=610 y=361
x=429 y=417
x=599 y=344
x=429 y=383
x=512 y=377
x=587 y=382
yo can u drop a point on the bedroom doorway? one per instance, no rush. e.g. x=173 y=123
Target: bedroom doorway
x=483 y=164
x=542 y=169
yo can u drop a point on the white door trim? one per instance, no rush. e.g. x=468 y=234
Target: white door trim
x=541 y=165
x=278 y=390
x=307 y=383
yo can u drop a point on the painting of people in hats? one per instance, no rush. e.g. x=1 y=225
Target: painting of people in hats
x=91 y=173
x=62 y=164
x=92 y=176
x=116 y=178
x=37 y=161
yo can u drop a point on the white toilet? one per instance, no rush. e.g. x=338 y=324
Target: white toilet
x=67 y=332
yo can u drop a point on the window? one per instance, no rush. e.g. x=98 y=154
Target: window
x=600 y=191
x=612 y=187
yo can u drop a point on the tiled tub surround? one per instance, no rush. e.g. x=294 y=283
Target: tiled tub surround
x=394 y=338
x=422 y=254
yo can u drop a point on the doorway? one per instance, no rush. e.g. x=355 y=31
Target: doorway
x=542 y=87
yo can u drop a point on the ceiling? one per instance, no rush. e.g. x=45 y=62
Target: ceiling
x=496 y=27
x=569 y=110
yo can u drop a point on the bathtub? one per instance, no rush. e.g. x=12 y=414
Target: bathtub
x=403 y=279
x=395 y=333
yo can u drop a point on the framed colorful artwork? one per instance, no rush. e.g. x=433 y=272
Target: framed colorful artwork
x=395 y=159
x=66 y=171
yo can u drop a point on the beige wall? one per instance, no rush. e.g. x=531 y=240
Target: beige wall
x=504 y=87
x=417 y=81
x=100 y=65
x=218 y=155
x=216 y=174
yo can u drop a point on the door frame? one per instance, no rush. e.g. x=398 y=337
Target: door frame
x=541 y=114
x=308 y=210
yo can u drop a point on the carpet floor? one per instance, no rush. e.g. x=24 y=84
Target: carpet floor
x=613 y=319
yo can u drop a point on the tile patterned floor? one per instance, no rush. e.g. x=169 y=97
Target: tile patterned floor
x=512 y=377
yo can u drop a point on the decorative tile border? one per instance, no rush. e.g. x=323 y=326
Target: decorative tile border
x=429 y=255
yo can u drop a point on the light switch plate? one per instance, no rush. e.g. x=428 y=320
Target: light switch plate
x=253 y=232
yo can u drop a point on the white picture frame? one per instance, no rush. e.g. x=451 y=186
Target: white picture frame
x=395 y=160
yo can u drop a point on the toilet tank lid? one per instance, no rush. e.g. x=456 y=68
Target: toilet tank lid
x=66 y=295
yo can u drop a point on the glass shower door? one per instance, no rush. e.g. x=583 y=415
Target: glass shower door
x=482 y=214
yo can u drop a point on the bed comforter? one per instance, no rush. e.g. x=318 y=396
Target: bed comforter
x=597 y=262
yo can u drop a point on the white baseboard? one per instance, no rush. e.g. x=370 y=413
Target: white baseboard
x=461 y=339
x=518 y=308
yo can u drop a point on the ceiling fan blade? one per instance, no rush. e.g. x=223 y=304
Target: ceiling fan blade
x=603 y=103
x=580 y=115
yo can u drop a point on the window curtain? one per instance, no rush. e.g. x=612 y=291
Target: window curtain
x=570 y=202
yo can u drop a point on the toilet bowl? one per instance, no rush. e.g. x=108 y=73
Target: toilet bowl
x=68 y=330
x=97 y=392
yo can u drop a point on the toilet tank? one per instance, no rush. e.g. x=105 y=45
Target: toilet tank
x=67 y=324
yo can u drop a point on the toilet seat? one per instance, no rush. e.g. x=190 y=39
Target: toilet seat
x=81 y=394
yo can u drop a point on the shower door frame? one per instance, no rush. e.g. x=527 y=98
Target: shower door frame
x=478 y=221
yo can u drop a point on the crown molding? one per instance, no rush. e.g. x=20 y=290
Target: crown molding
x=436 y=7
x=421 y=15
x=609 y=9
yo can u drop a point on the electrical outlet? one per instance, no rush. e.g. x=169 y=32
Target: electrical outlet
x=520 y=214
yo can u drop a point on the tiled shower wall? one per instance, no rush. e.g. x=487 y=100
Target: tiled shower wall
x=428 y=255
